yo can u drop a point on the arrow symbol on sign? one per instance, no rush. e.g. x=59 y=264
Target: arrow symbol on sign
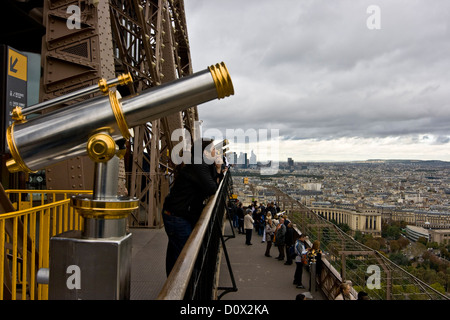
x=12 y=65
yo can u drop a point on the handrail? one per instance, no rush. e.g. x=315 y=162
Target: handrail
x=19 y=192
x=178 y=280
x=24 y=241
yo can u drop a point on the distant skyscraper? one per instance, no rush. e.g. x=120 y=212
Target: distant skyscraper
x=232 y=158
x=252 y=158
x=242 y=160
x=290 y=162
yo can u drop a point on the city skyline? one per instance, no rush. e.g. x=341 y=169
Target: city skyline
x=258 y=161
x=309 y=152
x=335 y=88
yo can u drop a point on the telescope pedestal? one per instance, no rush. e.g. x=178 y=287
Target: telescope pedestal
x=89 y=269
x=94 y=263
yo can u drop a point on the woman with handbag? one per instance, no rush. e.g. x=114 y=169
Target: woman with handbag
x=300 y=260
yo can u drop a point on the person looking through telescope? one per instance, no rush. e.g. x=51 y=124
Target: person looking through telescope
x=194 y=183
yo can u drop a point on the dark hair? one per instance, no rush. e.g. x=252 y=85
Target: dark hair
x=205 y=142
x=300 y=296
x=362 y=295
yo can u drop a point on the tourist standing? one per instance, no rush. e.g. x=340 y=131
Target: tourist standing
x=248 y=227
x=280 y=234
x=269 y=229
x=289 y=242
x=194 y=183
x=300 y=259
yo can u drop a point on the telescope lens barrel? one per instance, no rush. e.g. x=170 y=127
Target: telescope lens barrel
x=63 y=134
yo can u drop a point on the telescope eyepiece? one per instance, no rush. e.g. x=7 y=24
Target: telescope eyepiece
x=222 y=80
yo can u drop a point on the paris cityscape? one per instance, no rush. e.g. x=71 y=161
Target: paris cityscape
x=408 y=200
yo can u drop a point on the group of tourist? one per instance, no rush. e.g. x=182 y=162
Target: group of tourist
x=277 y=230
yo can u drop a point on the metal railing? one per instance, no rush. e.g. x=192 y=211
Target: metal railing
x=25 y=238
x=194 y=275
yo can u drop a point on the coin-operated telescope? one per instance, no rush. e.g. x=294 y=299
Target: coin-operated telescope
x=101 y=252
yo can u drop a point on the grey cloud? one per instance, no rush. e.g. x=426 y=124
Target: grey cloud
x=314 y=70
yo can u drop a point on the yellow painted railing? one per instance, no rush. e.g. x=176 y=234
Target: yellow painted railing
x=25 y=239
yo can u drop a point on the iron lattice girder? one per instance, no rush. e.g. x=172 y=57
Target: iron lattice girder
x=137 y=36
x=152 y=44
x=146 y=38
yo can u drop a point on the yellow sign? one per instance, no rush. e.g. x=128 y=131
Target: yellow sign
x=17 y=65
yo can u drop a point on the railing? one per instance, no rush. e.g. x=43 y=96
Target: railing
x=194 y=274
x=25 y=238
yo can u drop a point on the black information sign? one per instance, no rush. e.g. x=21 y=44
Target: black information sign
x=15 y=90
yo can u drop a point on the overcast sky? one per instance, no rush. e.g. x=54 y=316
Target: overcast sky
x=338 y=83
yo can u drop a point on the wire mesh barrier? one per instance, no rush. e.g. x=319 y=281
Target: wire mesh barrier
x=25 y=237
x=346 y=259
x=194 y=274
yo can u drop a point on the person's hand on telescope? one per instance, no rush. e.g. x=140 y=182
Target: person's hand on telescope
x=218 y=161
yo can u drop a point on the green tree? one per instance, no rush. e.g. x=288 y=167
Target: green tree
x=358 y=236
x=344 y=227
x=433 y=245
x=439 y=287
x=373 y=244
x=399 y=258
x=392 y=230
x=417 y=249
x=394 y=245
x=403 y=242
x=422 y=240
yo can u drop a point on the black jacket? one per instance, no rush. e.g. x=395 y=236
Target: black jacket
x=194 y=184
x=240 y=213
x=289 y=237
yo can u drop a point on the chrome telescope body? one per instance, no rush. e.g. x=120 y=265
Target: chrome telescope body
x=65 y=133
